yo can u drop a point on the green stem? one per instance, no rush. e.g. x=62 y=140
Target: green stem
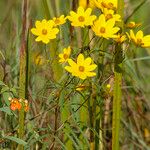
x=117 y=93
x=116 y=110
x=57 y=4
x=22 y=76
x=48 y=10
x=99 y=144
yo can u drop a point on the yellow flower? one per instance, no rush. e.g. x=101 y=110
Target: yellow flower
x=80 y=87
x=109 y=14
x=103 y=28
x=81 y=18
x=86 y=3
x=146 y=133
x=83 y=68
x=109 y=4
x=108 y=86
x=45 y=31
x=120 y=38
x=139 y=39
x=39 y=59
x=60 y=20
x=65 y=55
x=132 y=25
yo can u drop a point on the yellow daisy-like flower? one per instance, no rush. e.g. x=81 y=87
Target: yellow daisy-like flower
x=120 y=38
x=83 y=68
x=109 y=4
x=45 y=31
x=65 y=55
x=132 y=25
x=109 y=14
x=105 y=28
x=82 y=18
x=139 y=39
x=86 y=3
x=60 y=20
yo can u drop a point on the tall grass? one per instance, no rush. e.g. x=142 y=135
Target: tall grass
x=60 y=116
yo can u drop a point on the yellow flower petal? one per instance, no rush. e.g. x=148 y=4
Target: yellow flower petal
x=91 y=74
x=71 y=63
x=80 y=59
x=35 y=31
x=91 y=67
x=139 y=34
x=88 y=12
x=88 y=61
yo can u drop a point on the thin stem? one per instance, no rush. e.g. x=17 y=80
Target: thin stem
x=23 y=71
x=135 y=10
x=57 y=4
x=47 y=9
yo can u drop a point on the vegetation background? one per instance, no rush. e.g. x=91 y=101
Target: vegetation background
x=48 y=120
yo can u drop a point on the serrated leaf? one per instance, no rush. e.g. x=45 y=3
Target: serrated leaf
x=6 y=110
x=15 y=139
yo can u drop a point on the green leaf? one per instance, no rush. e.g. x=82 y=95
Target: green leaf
x=4 y=89
x=1 y=72
x=15 y=139
x=6 y=110
x=6 y=96
x=1 y=83
x=14 y=91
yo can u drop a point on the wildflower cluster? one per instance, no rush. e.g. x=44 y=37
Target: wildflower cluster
x=103 y=26
x=16 y=104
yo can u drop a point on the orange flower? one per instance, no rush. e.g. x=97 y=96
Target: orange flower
x=15 y=104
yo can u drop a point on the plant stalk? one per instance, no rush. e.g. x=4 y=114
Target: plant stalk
x=23 y=71
x=117 y=93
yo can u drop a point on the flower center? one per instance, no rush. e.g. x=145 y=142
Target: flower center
x=81 y=68
x=81 y=18
x=104 y=4
x=57 y=21
x=139 y=41
x=65 y=56
x=110 y=5
x=109 y=16
x=44 y=31
x=102 y=30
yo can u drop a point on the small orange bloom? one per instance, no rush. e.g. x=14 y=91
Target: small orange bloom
x=15 y=104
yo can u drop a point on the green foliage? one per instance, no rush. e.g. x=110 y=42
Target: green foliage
x=17 y=140
x=59 y=116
